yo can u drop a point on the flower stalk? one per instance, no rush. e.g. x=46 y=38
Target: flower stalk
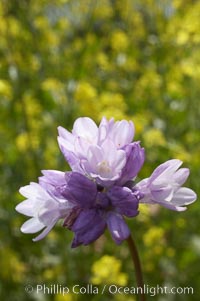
x=138 y=269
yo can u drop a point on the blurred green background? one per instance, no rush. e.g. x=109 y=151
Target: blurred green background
x=137 y=60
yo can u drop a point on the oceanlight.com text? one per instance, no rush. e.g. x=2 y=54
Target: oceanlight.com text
x=55 y=289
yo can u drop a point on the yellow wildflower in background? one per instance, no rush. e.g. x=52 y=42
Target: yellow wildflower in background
x=144 y=215
x=86 y=98
x=119 y=40
x=153 y=236
x=57 y=90
x=5 y=89
x=111 y=105
x=107 y=270
x=66 y=297
x=141 y=121
x=85 y=92
x=25 y=141
x=22 y=141
x=103 y=9
x=12 y=268
x=31 y=106
x=41 y=22
x=154 y=137
x=103 y=61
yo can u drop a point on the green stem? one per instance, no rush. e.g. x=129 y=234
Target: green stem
x=138 y=270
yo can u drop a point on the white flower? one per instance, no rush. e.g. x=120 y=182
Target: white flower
x=44 y=209
x=164 y=187
x=98 y=152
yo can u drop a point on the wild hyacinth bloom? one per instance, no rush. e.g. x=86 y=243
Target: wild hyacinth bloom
x=44 y=208
x=96 y=208
x=164 y=187
x=86 y=133
x=87 y=209
x=103 y=153
x=100 y=191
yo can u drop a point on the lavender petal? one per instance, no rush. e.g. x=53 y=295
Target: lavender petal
x=117 y=227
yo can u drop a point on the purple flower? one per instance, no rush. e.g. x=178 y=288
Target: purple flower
x=44 y=208
x=86 y=207
x=134 y=161
x=53 y=181
x=104 y=153
x=85 y=133
x=104 y=163
x=100 y=191
x=120 y=132
x=74 y=146
x=99 y=208
x=164 y=187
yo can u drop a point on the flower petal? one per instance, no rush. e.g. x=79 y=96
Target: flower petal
x=122 y=133
x=181 y=175
x=55 y=177
x=32 y=225
x=170 y=205
x=105 y=163
x=67 y=138
x=165 y=171
x=164 y=193
x=117 y=227
x=134 y=160
x=53 y=182
x=34 y=190
x=123 y=200
x=26 y=207
x=85 y=127
x=44 y=232
x=92 y=229
x=104 y=128
x=70 y=156
x=84 y=220
x=184 y=196
x=82 y=190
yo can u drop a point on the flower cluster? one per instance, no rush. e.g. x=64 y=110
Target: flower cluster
x=100 y=191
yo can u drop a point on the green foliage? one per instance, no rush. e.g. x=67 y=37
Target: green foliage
x=132 y=59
